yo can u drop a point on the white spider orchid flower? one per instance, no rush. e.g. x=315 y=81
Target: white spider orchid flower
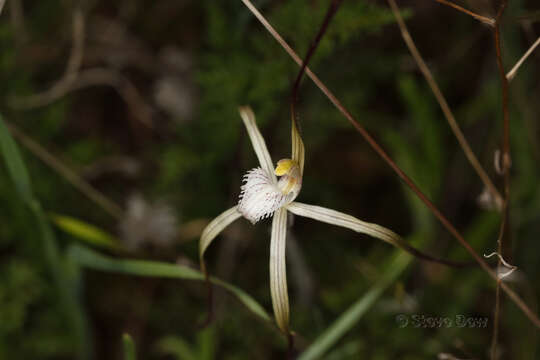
x=263 y=195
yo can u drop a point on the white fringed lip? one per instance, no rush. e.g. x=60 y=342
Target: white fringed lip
x=260 y=196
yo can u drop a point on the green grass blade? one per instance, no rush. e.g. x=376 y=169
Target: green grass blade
x=86 y=232
x=93 y=260
x=351 y=317
x=14 y=163
x=70 y=306
x=176 y=347
x=129 y=347
x=68 y=299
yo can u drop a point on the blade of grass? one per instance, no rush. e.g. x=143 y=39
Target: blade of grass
x=86 y=232
x=14 y=163
x=66 y=172
x=129 y=347
x=176 y=347
x=351 y=317
x=70 y=306
x=93 y=260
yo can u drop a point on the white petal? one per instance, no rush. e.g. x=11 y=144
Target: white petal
x=260 y=196
x=278 y=270
x=213 y=229
x=334 y=217
x=259 y=145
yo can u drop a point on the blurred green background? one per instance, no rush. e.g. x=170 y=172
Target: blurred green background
x=149 y=119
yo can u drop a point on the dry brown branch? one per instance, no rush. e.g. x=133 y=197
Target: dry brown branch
x=484 y=19
x=108 y=77
x=129 y=93
x=74 y=79
x=16 y=14
x=446 y=109
x=92 y=193
x=70 y=74
x=504 y=240
x=497 y=309
x=444 y=221
x=510 y=75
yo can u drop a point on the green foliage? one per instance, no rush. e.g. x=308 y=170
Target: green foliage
x=129 y=347
x=86 y=232
x=15 y=164
x=355 y=313
x=19 y=175
x=21 y=288
x=180 y=349
x=86 y=257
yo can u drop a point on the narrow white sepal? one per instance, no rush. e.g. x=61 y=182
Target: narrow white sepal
x=278 y=270
x=334 y=217
x=214 y=228
x=260 y=196
x=259 y=145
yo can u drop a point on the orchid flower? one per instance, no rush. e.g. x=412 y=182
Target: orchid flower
x=263 y=195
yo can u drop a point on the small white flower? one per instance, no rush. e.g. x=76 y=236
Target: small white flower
x=263 y=195
x=148 y=223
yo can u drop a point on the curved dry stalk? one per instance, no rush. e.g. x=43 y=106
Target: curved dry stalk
x=510 y=75
x=332 y=10
x=444 y=221
x=92 y=193
x=74 y=79
x=129 y=93
x=16 y=13
x=503 y=241
x=108 y=77
x=61 y=87
x=473 y=160
x=486 y=20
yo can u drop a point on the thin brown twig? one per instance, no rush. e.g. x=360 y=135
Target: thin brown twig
x=497 y=310
x=503 y=242
x=74 y=79
x=334 y=6
x=129 y=93
x=80 y=184
x=446 y=109
x=70 y=74
x=445 y=222
x=510 y=75
x=109 y=77
x=484 y=19
x=16 y=14
x=506 y=159
x=496 y=316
